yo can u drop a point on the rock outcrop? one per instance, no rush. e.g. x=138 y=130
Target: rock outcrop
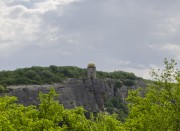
x=89 y=93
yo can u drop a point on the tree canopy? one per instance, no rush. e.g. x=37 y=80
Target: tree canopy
x=54 y=74
x=49 y=115
x=156 y=107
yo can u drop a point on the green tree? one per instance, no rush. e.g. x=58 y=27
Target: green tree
x=7 y=81
x=54 y=68
x=49 y=115
x=159 y=107
x=31 y=74
x=2 y=89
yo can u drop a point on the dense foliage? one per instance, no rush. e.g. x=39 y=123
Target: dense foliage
x=51 y=116
x=54 y=74
x=156 y=108
x=116 y=104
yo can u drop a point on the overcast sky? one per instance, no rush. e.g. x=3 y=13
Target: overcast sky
x=129 y=35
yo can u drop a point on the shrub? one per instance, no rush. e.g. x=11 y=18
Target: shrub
x=31 y=74
x=128 y=82
x=2 y=89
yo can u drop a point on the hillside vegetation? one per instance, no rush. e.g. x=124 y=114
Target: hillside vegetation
x=54 y=74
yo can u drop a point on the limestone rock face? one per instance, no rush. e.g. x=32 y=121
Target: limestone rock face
x=89 y=93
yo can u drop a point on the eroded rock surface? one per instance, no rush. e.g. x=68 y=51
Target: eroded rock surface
x=89 y=93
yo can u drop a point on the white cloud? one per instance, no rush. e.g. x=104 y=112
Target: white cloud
x=46 y=5
x=17 y=26
x=167 y=27
x=114 y=34
x=117 y=62
x=173 y=49
x=142 y=72
x=21 y=26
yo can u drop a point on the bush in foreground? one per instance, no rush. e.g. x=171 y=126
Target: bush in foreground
x=51 y=116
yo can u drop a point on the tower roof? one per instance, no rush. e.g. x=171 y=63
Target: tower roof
x=91 y=65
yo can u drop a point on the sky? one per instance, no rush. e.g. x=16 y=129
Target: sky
x=128 y=35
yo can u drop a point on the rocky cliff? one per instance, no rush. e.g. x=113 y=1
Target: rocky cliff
x=89 y=93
